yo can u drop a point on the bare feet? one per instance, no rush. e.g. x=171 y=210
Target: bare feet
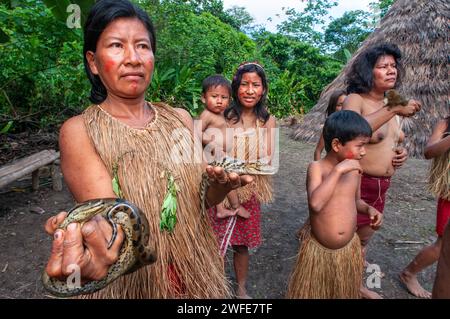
x=241 y=211
x=242 y=294
x=413 y=286
x=222 y=212
x=369 y=294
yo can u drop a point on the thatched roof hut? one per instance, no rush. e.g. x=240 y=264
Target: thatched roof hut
x=421 y=30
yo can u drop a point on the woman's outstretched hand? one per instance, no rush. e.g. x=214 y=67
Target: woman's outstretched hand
x=83 y=247
x=221 y=183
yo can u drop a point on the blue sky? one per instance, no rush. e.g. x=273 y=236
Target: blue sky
x=260 y=10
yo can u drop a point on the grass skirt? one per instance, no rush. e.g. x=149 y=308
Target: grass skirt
x=322 y=273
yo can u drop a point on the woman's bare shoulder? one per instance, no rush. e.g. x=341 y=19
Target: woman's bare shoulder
x=271 y=122
x=73 y=123
x=73 y=135
x=73 y=128
x=354 y=96
x=354 y=102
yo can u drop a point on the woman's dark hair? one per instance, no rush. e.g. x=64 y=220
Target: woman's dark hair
x=102 y=13
x=234 y=111
x=214 y=81
x=360 y=74
x=345 y=125
x=332 y=102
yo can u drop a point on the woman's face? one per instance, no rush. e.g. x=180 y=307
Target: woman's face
x=124 y=58
x=385 y=73
x=340 y=102
x=250 y=90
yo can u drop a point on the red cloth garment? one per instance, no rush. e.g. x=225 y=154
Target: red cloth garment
x=177 y=287
x=443 y=216
x=373 y=192
x=246 y=232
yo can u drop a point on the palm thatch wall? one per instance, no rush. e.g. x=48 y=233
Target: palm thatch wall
x=421 y=30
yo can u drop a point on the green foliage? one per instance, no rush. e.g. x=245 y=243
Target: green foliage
x=302 y=25
x=347 y=55
x=6 y=128
x=286 y=95
x=169 y=206
x=238 y=17
x=177 y=87
x=192 y=46
x=43 y=81
x=381 y=7
x=347 y=32
x=297 y=71
x=3 y=37
x=64 y=9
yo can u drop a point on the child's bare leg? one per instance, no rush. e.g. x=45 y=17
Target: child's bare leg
x=441 y=288
x=365 y=233
x=426 y=257
x=223 y=212
x=241 y=262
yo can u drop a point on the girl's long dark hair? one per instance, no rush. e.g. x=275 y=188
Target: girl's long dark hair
x=102 y=13
x=332 y=102
x=234 y=111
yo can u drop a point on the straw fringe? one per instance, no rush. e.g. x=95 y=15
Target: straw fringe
x=322 y=273
x=261 y=187
x=439 y=176
x=191 y=248
x=250 y=146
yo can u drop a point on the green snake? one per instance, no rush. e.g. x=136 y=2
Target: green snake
x=133 y=254
x=233 y=165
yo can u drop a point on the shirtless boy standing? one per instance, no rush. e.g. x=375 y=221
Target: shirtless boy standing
x=330 y=263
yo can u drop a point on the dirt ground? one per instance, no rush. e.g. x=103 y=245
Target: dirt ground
x=409 y=217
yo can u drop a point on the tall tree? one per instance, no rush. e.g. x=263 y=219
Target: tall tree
x=238 y=18
x=347 y=33
x=304 y=25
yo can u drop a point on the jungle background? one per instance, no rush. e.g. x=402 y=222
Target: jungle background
x=43 y=82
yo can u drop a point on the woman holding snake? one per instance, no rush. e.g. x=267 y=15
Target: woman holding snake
x=123 y=137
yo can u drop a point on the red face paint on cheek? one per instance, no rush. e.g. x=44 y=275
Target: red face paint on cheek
x=349 y=155
x=109 y=65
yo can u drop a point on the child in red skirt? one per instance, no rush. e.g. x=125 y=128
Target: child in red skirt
x=253 y=131
x=438 y=148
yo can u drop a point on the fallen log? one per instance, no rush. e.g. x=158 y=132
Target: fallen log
x=30 y=165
